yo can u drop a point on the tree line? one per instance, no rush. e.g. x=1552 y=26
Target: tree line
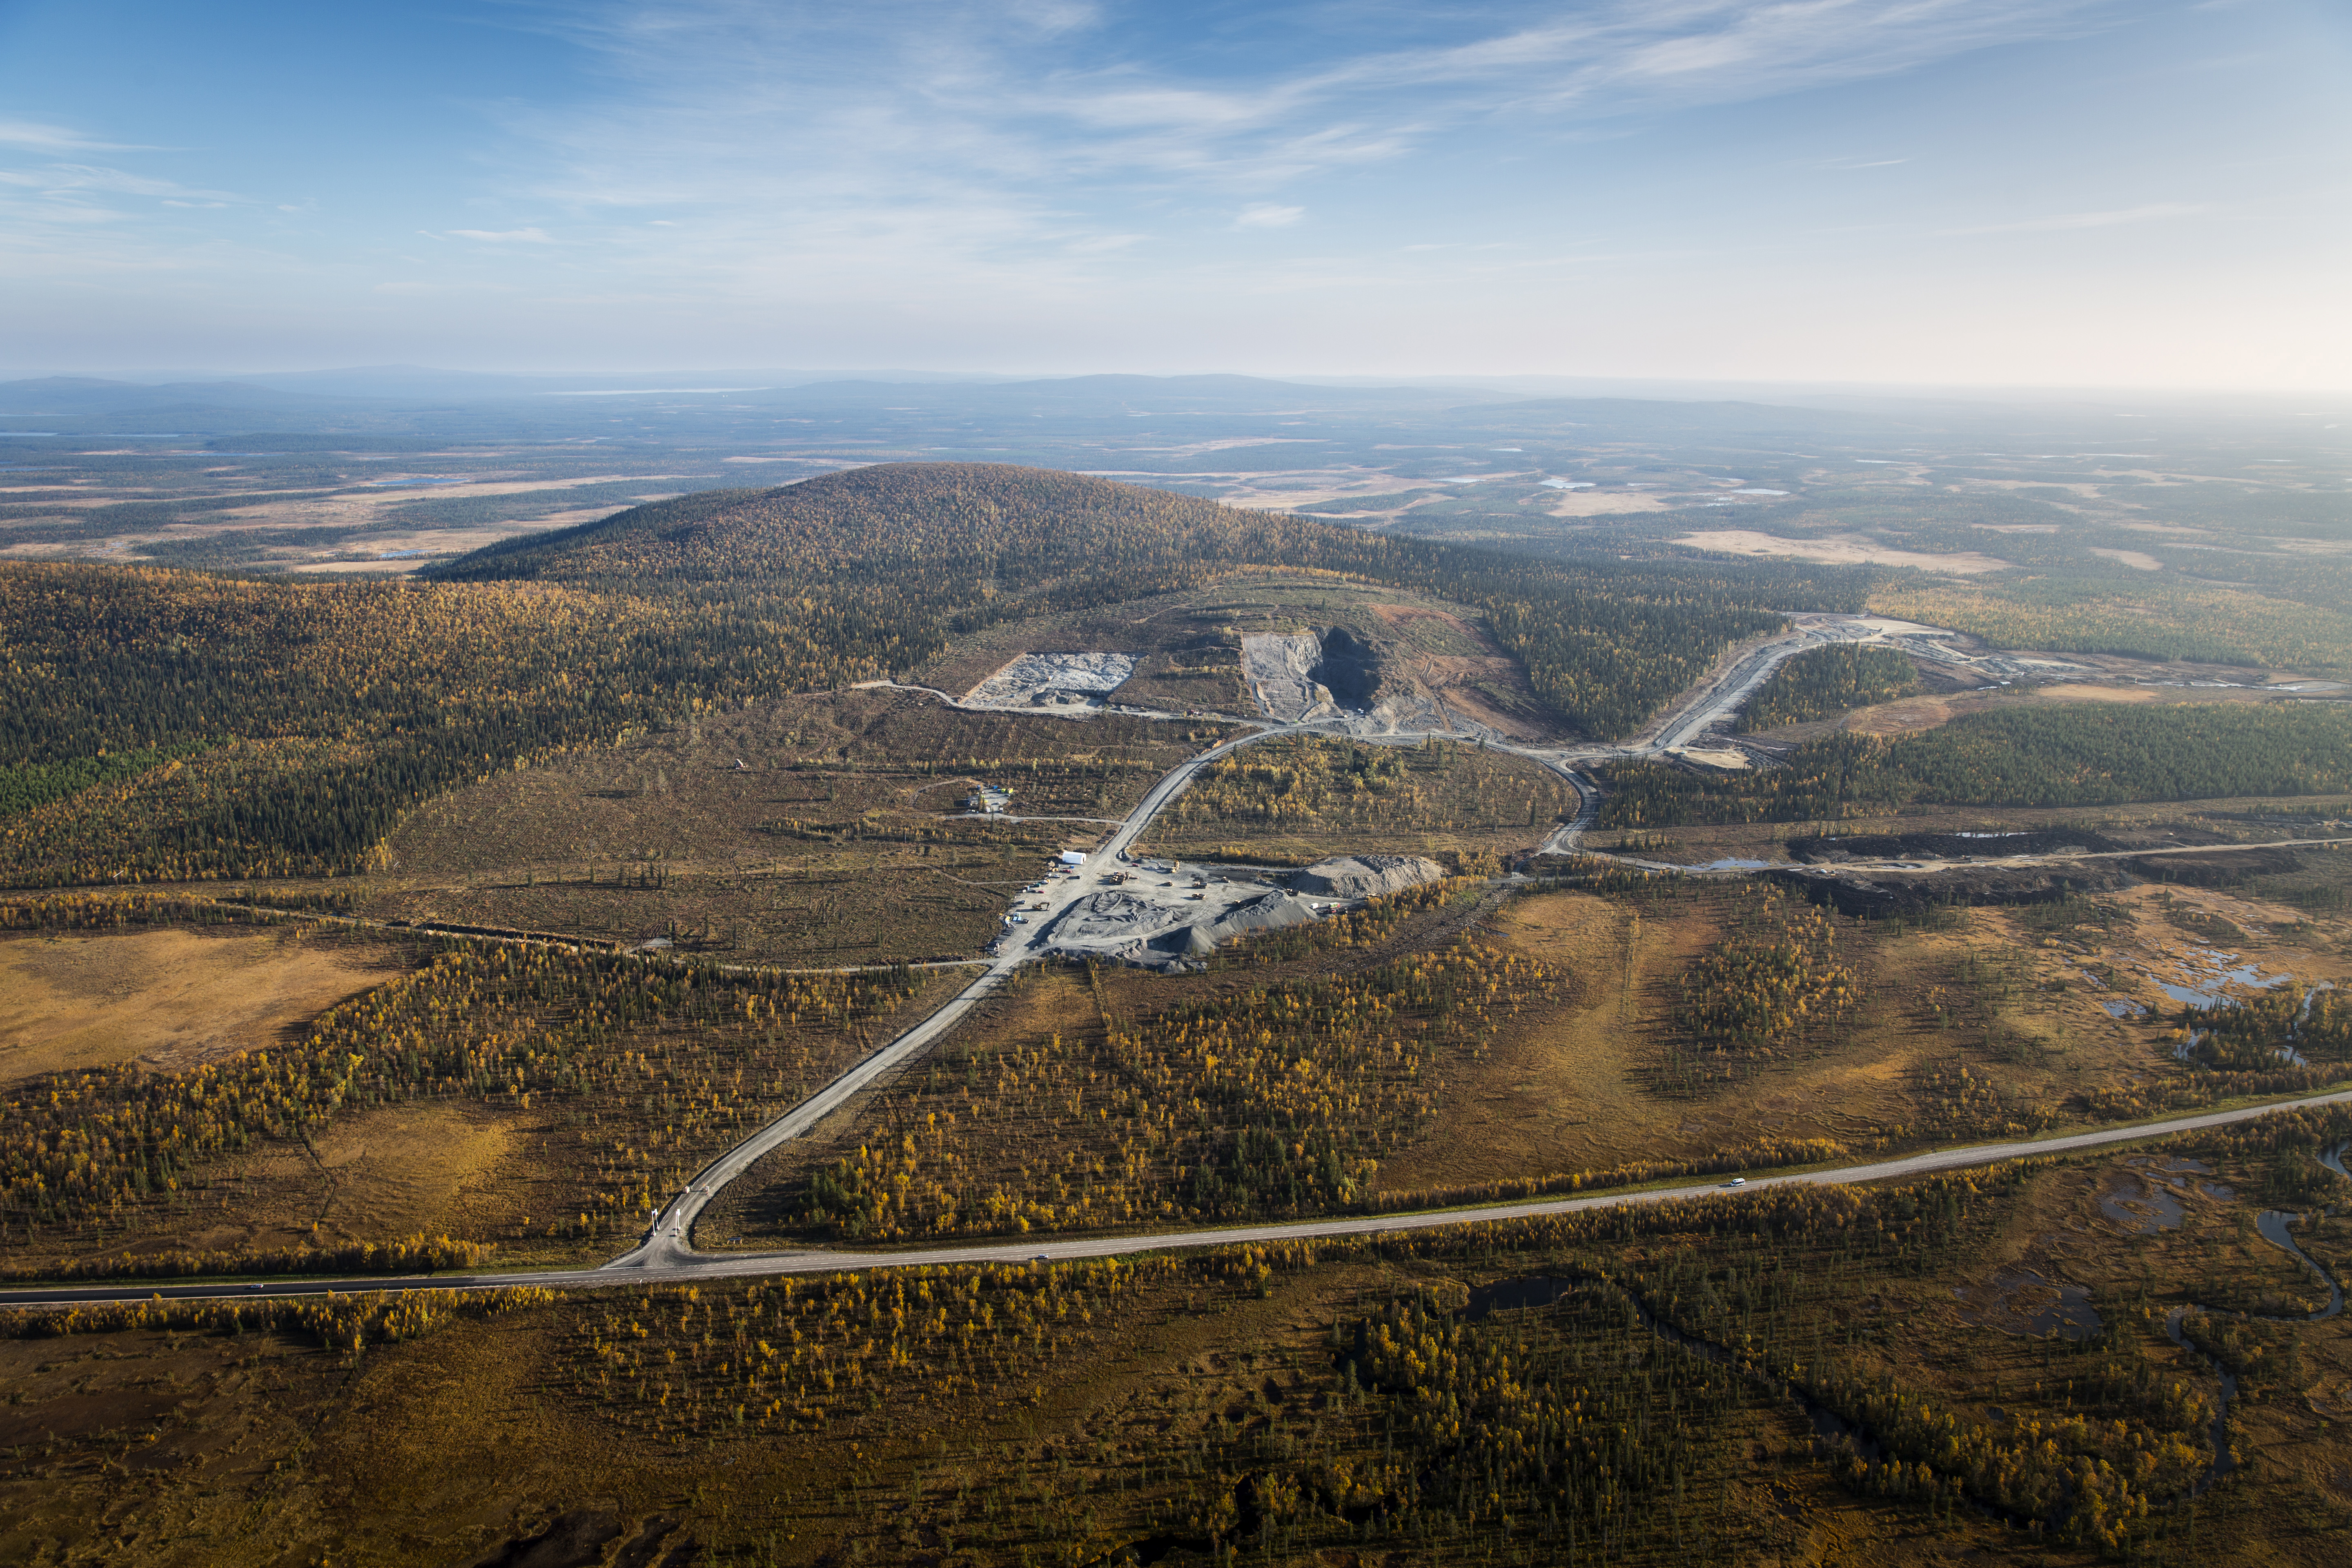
x=2077 y=753
x=1823 y=682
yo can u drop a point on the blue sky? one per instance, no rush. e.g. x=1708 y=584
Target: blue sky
x=1910 y=192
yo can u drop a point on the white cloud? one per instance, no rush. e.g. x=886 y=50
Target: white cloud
x=503 y=235
x=907 y=136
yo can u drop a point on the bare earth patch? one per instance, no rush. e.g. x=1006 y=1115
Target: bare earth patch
x=168 y=998
x=1836 y=550
x=1595 y=503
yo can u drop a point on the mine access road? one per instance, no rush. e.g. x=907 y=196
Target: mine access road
x=668 y=1253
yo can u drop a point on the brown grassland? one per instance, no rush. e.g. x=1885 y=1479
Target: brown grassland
x=533 y=1099
x=169 y=997
x=840 y=840
x=1609 y=1062
x=1296 y=800
x=1881 y=1376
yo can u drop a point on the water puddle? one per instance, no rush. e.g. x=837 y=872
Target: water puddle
x=2026 y=1302
x=2162 y=1184
x=1516 y=1296
x=2209 y=973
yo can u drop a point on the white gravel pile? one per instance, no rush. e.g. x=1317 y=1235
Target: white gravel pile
x=1367 y=875
x=1023 y=682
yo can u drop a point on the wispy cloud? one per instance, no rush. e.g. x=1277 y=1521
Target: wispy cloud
x=43 y=138
x=2110 y=218
x=900 y=137
x=71 y=179
x=497 y=236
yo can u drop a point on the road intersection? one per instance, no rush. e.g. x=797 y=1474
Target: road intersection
x=666 y=1252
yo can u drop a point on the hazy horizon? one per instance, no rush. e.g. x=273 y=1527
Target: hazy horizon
x=345 y=380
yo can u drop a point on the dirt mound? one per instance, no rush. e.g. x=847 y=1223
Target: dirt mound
x=1111 y=921
x=1817 y=850
x=1366 y=876
x=1271 y=912
x=2224 y=870
x=1895 y=894
x=1121 y=926
x=590 y=1538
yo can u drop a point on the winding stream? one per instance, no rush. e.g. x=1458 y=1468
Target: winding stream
x=2272 y=1224
x=1536 y=1293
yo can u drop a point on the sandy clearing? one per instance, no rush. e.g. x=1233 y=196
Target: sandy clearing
x=172 y=997
x=1836 y=550
x=1596 y=503
x=1905 y=717
x=444 y=542
x=2073 y=691
x=2139 y=561
x=1398 y=615
x=1909 y=715
x=2079 y=487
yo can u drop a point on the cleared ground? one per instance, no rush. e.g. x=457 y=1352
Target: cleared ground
x=171 y=999
x=841 y=839
x=1296 y=800
x=1436 y=657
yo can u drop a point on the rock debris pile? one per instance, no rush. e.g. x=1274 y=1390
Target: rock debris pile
x=1367 y=875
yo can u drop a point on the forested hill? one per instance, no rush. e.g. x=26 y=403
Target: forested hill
x=171 y=724
x=913 y=553
x=1020 y=528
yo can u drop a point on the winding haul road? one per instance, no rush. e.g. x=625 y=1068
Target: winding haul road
x=667 y=1254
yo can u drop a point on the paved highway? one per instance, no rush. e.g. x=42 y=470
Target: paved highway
x=687 y=1267
x=668 y=1251
x=668 y=1244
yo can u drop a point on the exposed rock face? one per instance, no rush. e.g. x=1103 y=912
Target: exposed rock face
x=1313 y=675
x=1366 y=876
x=1349 y=667
x=1280 y=670
x=1051 y=678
